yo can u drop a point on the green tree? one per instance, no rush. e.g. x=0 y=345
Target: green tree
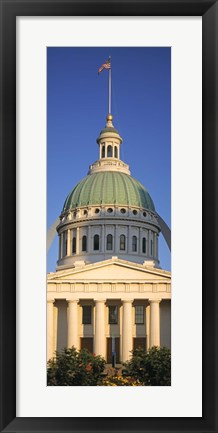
x=152 y=367
x=74 y=368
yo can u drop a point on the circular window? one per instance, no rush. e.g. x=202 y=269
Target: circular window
x=97 y=210
x=123 y=210
x=144 y=214
x=134 y=212
x=110 y=210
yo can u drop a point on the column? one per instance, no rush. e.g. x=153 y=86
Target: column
x=68 y=242
x=72 y=331
x=149 y=243
x=140 y=241
x=147 y=326
x=61 y=240
x=88 y=240
x=155 y=322
x=100 y=338
x=77 y=241
x=102 y=239
x=116 y=240
x=127 y=330
x=59 y=237
x=155 y=245
x=50 y=329
x=129 y=241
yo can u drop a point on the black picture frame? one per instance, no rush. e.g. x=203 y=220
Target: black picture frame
x=9 y=11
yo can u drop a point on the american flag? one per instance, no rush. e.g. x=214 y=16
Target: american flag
x=106 y=65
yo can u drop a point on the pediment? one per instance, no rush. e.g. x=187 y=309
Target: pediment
x=112 y=270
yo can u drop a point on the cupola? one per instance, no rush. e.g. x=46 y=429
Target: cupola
x=109 y=141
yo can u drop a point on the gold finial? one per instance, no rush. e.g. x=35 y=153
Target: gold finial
x=109 y=117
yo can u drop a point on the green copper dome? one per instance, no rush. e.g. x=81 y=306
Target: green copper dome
x=109 y=187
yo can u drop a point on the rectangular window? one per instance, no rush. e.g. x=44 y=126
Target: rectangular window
x=113 y=314
x=139 y=314
x=87 y=315
x=87 y=343
x=139 y=343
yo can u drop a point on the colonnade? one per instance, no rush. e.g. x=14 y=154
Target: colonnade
x=99 y=333
x=109 y=151
x=66 y=241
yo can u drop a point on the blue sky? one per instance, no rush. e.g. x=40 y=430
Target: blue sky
x=77 y=105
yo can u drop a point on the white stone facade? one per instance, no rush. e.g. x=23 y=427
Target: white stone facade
x=108 y=289
x=112 y=282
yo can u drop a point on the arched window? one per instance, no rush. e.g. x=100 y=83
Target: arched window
x=74 y=245
x=109 y=242
x=84 y=243
x=144 y=245
x=122 y=242
x=109 y=151
x=151 y=247
x=96 y=243
x=115 y=152
x=134 y=243
x=103 y=152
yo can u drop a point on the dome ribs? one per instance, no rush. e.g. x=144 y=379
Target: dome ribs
x=91 y=190
x=103 y=188
x=107 y=188
x=116 y=186
x=77 y=192
x=124 y=199
x=135 y=199
x=109 y=196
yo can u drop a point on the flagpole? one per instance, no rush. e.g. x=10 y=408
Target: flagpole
x=109 y=90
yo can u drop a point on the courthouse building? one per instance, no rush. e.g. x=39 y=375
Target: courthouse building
x=108 y=291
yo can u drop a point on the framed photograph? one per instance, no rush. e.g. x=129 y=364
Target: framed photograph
x=142 y=78
x=110 y=251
